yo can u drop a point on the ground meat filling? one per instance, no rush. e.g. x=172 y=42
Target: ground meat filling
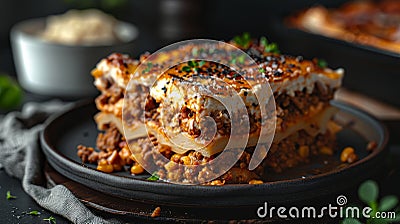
x=110 y=101
x=288 y=109
x=296 y=149
x=109 y=140
x=113 y=154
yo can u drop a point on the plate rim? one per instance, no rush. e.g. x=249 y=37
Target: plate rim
x=179 y=190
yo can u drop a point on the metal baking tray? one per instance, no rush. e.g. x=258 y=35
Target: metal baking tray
x=368 y=70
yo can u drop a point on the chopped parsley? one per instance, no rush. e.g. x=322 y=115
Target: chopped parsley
x=51 y=220
x=193 y=66
x=186 y=69
x=269 y=47
x=261 y=70
x=272 y=48
x=154 y=177
x=201 y=63
x=322 y=63
x=195 y=51
x=9 y=196
x=238 y=59
x=148 y=67
x=263 y=41
x=34 y=212
x=243 y=40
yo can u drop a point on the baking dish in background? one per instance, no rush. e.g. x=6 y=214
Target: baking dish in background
x=371 y=71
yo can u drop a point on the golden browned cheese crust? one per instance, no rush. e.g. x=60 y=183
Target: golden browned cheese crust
x=371 y=23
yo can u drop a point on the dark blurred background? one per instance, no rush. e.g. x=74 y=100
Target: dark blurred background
x=165 y=21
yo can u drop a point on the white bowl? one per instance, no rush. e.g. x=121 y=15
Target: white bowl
x=55 y=69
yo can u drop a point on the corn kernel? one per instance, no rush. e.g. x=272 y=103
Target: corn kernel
x=344 y=156
x=137 y=169
x=256 y=182
x=217 y=182
x=103 y=162
x=176 y=157
x=186 y=160
x=352 y=158
x=97 y=73
x=106 y=168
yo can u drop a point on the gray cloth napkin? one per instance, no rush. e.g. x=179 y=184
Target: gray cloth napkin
x=21 y=157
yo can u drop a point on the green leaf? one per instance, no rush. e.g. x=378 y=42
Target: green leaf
x=149 y=65
x=186 y=69
x=201 y=63
x=154 y=177
x=368 y=191
x=396 y=219
x=322 y=63
x=243 y=40
x=378 y=221
x=11 y=97
x=34 y=212
x=195 y=51
x=388 y=202
x=241 y=58
x=263 y=41
x=261 y=70
x=350 y=221
x=272 y=48
x=10 y=93
x=9 y=196
x=51 y=220
x=5 y=83
x=192 y=64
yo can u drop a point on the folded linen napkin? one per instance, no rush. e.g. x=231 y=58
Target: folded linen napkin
x=21 y=157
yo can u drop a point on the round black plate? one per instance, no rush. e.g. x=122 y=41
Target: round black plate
x=321 y=177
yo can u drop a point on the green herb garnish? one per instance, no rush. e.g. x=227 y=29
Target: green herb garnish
x=51 y=220
x=243 y=40
x=10 y=93
x=263 y=41
x=238 y=59
x=9 y=196
x=195 y=51
x=148 y=67
x=261 y=70
x=193 y=66
x=201 y=63
x=269 y=47
x=368 y=193
x=272 y=48
x=34 y=212
x=322 y=63
x=186 y=69
x=154 y=177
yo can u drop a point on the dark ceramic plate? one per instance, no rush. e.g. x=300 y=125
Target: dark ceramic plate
x=322 y=176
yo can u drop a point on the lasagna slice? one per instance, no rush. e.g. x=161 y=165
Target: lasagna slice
x=175 y=104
